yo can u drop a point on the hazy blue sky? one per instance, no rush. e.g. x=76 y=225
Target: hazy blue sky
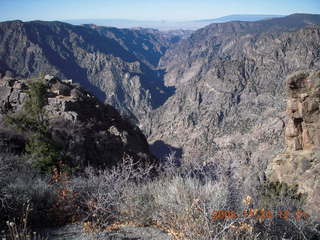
x=148 y=9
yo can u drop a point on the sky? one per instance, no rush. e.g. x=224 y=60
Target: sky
x=164 y=10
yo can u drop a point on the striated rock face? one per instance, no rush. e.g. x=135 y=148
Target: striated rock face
x=225 y=43
x=116 y=65
x=229 y=105
x=235 y=101
x=87 y=131
x=302 y=131
x=300 y=162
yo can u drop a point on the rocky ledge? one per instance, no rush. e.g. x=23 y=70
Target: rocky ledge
x=88 y=131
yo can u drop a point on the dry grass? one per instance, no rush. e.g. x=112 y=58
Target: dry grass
x=180 y=200
x=19 y=229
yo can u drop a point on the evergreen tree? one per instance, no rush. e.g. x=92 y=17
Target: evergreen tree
x=32 y=120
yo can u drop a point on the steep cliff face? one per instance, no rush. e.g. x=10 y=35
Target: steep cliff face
x=232 y=92
x=224 y=41
x=230 y=100
x=86 y=131
x=117 y=66
x=300 y=162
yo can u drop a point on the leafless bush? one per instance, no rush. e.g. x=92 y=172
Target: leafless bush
x=186 y=204
x=24 y=187
x=101 y=192
x=7 y=163
x=289 y=220
x=181 y=199
x=183 y=203
x=20 y=184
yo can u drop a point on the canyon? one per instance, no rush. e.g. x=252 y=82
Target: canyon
x=216 y=95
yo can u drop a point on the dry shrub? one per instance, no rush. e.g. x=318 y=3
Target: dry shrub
x=65 y=208
x=21 y=184
x=180 y=200
x=101 y=191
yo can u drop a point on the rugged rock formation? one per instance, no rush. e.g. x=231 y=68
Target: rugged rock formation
x=224 y=96
x=230 y=100
x=118 y=66
x=87 y=131
x=223 y=42
x=300 y=162
x=229 y=105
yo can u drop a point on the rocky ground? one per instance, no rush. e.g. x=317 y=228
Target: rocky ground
x=74 y=232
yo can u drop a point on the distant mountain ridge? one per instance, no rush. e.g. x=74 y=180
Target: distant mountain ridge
x=169 y=25
x=241 y=17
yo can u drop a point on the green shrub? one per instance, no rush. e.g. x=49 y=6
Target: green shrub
x=37 y=100
x=281 y=195
x=32 y=116
x=42 y=152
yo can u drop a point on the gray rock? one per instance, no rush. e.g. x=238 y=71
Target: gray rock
x=119 y=66
x=48 y=77
x=9 y=74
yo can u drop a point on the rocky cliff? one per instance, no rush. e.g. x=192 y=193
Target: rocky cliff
x=300 y=162
x=116 y=65
x=229 y=105
x=86 y=131
x=190 y=57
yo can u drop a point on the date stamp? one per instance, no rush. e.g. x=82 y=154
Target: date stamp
x=259 y=214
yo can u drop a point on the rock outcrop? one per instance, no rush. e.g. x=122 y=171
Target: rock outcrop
x=300 y=162
x=87 y=131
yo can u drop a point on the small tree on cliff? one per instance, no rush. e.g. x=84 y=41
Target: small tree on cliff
x=32 y=120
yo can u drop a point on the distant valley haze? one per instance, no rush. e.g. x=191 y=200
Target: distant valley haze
x=169 y=25
x=162 y=15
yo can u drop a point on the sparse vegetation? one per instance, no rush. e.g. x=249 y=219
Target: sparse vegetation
x=179 y=200
x=32 y=117
x=19 y=230
x=32 y=121
x=43 y=152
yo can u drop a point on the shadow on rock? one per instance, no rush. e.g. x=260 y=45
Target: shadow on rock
x=162 y=150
